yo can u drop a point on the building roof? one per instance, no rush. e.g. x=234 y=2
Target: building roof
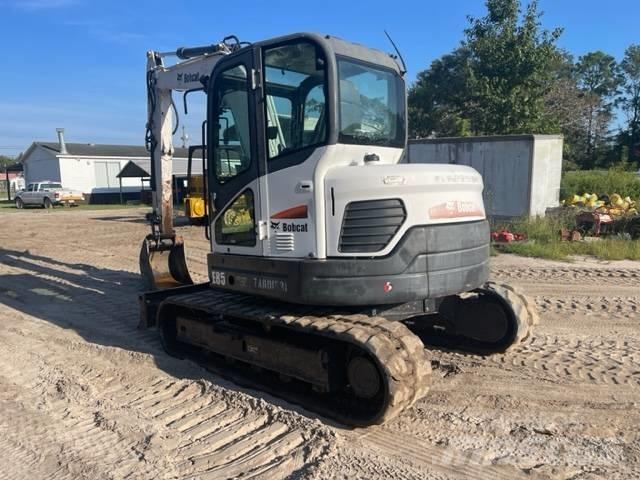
x=101 y=150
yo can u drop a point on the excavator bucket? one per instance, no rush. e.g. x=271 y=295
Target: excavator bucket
x=163 y=263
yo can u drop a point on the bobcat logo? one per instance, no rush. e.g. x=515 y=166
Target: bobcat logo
x=275 y=225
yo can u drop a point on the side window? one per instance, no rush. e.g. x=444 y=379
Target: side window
x=279 y=115
x=295 y=100
x=313 y=126
x=232 y=135
x=31 y=187
x=236 y=224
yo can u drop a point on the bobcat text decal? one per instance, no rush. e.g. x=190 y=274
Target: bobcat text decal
x=456 y=209
x=297 y=212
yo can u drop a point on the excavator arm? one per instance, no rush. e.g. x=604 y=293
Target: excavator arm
x=162 y=256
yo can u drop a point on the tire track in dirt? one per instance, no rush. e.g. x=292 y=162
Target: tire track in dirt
x=580 y=275
x=451 y=462
x=148 y=426
x=207 y=432
x=596 y=361
x=562 y=360
x=177 y=421
x=590 y=305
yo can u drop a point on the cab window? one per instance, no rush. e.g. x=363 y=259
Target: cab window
x=236 y=224
x=295 y=102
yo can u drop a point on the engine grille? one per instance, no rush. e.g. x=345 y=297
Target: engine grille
x=369 y=226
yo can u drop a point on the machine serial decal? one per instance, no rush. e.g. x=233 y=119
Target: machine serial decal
x=271 y=284
x=456 y=209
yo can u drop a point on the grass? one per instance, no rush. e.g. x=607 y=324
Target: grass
x=600 y=182
x=543 y=241
x=8 y=206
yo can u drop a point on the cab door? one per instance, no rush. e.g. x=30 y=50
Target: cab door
x=27 y=197
x=234 y=158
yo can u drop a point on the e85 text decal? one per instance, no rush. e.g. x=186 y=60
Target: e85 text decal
x=218 y=278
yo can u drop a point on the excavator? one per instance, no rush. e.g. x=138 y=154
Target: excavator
x=331 y=257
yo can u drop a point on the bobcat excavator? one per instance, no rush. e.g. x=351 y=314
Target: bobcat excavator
x=330 y=257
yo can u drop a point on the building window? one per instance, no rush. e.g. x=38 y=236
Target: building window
x=107 y=174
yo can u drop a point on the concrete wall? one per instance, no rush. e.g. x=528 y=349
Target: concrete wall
x=521 y=173
x=546 y=173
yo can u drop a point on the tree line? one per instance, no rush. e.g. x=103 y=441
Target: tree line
x=509 y=76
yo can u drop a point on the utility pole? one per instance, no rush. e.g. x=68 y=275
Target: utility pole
x=184 y=138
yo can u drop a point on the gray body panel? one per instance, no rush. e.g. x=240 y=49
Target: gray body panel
x=431 y=261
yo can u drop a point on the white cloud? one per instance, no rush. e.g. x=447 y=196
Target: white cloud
x=105 y=31
x=32 y=5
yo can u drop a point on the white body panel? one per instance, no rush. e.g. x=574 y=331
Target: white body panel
x=432 y=194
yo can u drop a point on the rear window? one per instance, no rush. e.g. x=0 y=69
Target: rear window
x=50 y=186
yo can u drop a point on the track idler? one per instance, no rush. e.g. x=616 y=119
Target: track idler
x=163 y=262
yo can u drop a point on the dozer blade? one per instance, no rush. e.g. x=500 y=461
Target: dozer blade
x=163 y=263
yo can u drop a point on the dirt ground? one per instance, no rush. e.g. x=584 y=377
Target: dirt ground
x=84 y=394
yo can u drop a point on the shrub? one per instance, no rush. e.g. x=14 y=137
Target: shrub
x=543 y=241
x=600 y=182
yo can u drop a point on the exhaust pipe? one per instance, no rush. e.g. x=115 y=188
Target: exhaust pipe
x=61 y=142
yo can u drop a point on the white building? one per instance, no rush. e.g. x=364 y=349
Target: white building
x=92 y=168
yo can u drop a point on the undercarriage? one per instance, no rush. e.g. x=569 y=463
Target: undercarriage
x=357 y=366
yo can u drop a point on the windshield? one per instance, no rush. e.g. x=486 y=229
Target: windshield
x=372 y=107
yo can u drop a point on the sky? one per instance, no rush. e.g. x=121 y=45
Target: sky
x=80 y=64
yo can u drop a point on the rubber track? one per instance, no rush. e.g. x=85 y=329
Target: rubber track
x=400 y=353
x=523 y=307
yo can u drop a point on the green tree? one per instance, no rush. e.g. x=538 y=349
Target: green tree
x=598 y=76
x=630 y=66
x=510 y=68
x=6 y=161
x=437 y=98
x=567 y=110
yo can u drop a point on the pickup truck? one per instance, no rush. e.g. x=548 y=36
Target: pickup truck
x=47 y=195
